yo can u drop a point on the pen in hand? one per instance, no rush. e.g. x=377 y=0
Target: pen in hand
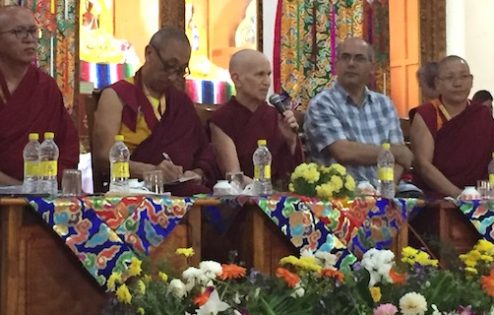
x=167 y=157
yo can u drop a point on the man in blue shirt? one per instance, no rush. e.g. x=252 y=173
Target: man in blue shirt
x=348 y=122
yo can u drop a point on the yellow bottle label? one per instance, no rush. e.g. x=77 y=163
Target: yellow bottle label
x=267 y=172
x=491 y=180
x=48 y=168
x=386 y=174
x=120 y=169
x=31 y=168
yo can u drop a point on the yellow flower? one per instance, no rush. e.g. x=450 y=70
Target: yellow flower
x=325 y=191
x=115 y=278
x=135 y=267
x=376 y=294
x=141 y=311
x=470 y=263
x=123 y=294
x=311 y=175
x=141 y=287
x=289 y=260
x=487 y=258
x=146 y=278
x=187 y=252
x=291 y=187
x=340 y=169
x=349 y=183
x=163 y=276
x=471 y=270
x=484 y=246
x=309 y=263
x=337 y=183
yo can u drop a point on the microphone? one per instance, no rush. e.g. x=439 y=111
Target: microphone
x=277 y=101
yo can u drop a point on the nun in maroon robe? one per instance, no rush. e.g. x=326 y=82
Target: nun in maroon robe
x=35 y=106
x=463 y=145
x=245 y=127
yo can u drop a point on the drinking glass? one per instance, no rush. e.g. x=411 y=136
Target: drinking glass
x=484 y=189
x=153 y=181
x=71 y=183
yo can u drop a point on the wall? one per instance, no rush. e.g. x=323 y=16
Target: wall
x=470 y=34
x=137 y=21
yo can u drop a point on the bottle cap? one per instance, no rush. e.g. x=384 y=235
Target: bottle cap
x=33 y=136
x=49 y=135
x=386 y=146
x=119 y=138
x=261 y=142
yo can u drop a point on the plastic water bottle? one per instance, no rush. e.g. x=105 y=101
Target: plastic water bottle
x=119 y=165
x=48 y=163
x=385 y=169
x=31 y=164
x=490 y=169
x=262 y=169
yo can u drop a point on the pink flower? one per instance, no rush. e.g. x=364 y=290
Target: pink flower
x=386 y=309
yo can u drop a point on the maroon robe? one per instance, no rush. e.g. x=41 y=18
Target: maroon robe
x=35 y=106
x=245 y=127
x=462 y=146
x=179 y=133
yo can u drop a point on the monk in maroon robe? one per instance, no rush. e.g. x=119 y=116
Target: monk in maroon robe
x=159 y=122
x=452 y=139
x=246 y=118
x=30 y=99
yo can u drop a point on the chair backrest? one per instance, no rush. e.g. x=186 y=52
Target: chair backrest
x=91 y=106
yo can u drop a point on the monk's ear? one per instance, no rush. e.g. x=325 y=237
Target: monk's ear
x=147 y=52
x=235 y=78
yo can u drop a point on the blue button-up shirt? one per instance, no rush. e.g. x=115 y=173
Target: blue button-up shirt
x=333 y=116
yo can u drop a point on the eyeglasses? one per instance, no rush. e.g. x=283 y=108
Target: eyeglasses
x=23 y=33
x=346 y=58
x=181 y=71
x=452 y=78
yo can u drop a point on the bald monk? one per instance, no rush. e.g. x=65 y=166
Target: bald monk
x=30 y=100
x=246 y=118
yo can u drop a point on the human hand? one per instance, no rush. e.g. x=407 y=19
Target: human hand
x=403 y=155
x=191 y=173
x=170 y=171
x=288 y=126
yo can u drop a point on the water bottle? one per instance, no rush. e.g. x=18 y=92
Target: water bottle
x=262 y=169
x=48 y=160
x=490 y=169
x=31 y=164
x=119 y=165
x=385 y=170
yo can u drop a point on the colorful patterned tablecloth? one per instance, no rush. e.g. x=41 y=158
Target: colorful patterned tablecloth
x=105 y=232
x=481 y=215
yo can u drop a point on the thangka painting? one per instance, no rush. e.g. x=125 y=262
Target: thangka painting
x=307 y=33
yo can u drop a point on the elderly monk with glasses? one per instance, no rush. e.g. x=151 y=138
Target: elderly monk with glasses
x=30 y=100
x=452 y=138
x=159 y=122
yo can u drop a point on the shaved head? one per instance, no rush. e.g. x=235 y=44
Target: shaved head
x=7 y=12
x=245 y=59
x=444 y=63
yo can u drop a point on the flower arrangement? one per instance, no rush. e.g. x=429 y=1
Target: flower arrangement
x=312 y=284
x=325 y=182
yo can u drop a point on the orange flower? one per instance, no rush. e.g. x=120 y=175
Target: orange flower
x=396 y=277
x=202 y=299
x=232 y=271
x=333 y=273
x=290 y=278
x=488 y=283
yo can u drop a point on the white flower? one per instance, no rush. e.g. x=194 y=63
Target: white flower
x=413 y=304
x=299 y=291
x=327 y=259
x=378 y=263
x=193 y=277
x=210 y=268
x=213 y=306
x=435 y=310
x=306 y=253
x=177 y=288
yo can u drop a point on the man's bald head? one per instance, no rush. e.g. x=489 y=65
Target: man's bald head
x=9 y=11
x=244 y=59
x=356 y=42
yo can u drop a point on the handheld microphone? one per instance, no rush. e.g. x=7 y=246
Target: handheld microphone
x=277 y=101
